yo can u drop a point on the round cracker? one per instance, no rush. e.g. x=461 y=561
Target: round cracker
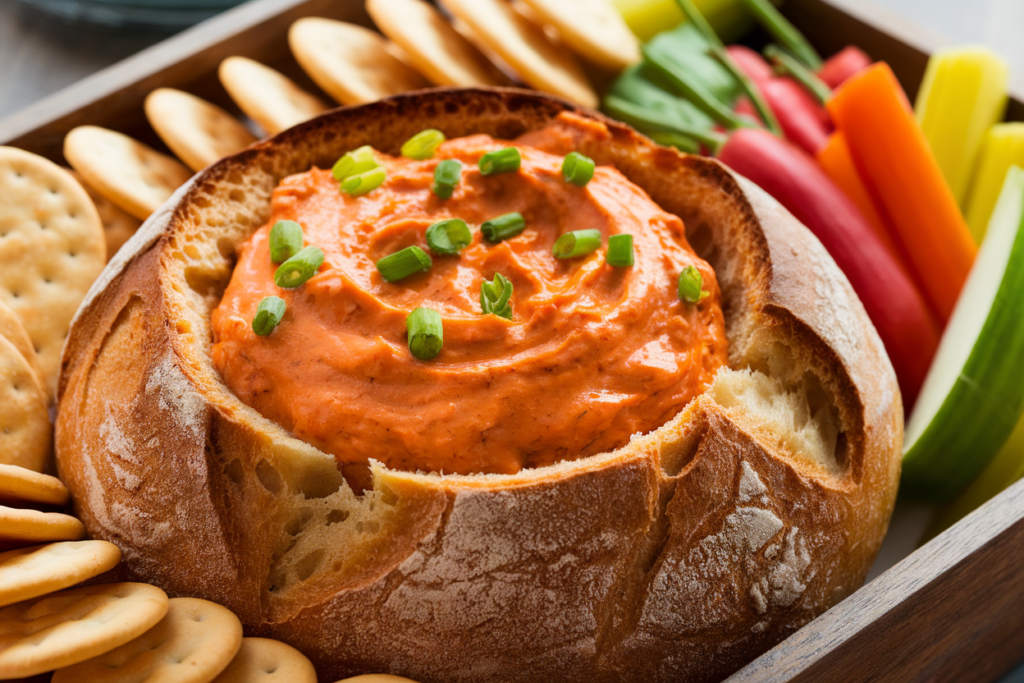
x=27 y=486
x=27 y=573
x=118 y=224
x=261 y=660
x=51 y=250
x=26 y=436
x=594 y=29
x=132 y=175
x=199 y=132
x=192 y=644
x=352 y=64
x=21 y=527
x=526 y=48
x=268 y=97
x=12 y=329
x=435 y=49
x=71 y=626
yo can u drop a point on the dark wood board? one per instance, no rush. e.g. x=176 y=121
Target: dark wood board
x=952 y=611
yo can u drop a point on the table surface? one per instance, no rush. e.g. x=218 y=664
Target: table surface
x=39 y=56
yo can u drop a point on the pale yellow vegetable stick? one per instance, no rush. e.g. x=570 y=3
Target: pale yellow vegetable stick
x=1002 y=147
x=646 y=18
x=962 y=95
x=1006 y=468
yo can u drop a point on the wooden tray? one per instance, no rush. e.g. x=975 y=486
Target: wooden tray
x=952 y=610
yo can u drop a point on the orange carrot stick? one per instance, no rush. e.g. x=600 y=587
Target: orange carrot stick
x=893 y=158
x=838 y=164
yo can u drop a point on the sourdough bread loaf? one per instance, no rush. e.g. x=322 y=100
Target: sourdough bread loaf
x=678 y=557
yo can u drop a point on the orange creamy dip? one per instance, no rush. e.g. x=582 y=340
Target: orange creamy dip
x=593 y=355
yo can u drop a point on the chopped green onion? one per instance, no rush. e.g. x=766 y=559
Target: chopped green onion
x=423 y=144
x=577 y=169
x=577 y=243
x=620 y=250
x=361 y=183
x=355 y=162
x=402 y=264
x=268 y=315
x=447 y=175
x=285 y=240
x=691 y=286
x=502 y=161
x=295 y=271
x=495 y=297
x=503 y=227
x=449 y=237
x=426 y=333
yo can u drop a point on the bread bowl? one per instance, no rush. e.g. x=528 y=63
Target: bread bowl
x=679 y=556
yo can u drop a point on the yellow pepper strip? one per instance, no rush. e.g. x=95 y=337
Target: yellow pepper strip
x=963 y=94
x=1002 y=147
x=1006 y=468
x=647 y=18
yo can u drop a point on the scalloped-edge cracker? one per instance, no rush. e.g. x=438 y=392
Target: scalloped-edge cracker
x=23 y=527
x=22 y=485
x=594 y=29
x=132 y=175
x=262 y=660
x=26 y=436
x=376 y=678
x=268 y=97
x=352 y=64
x=51 y=250
x=118 y=224
x=27 y=573
x=192 y=644
x=434 y=48
x=65 y=628
x=199 y=132
x=12 y=329
x=525 y=47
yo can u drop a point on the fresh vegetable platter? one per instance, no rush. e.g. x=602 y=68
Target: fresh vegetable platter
x=903 y=167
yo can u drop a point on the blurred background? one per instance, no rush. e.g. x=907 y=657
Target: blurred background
x=48 y=44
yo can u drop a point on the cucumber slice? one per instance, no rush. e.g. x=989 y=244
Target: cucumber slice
x=973 y=395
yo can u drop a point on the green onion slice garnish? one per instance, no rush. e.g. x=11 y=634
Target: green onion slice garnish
x=449 y=237
x=503 y=227
x=426 y=333
x=577 y=243
x=691 y=286
x=268 y=315
x=577 y=169
x=502 y=161
x=423 y=144
x=495 y=297
x=355 y=162
x=295 y=271
x=402 y=264
x=447 y=175
x=361 y=183
x=620 y=250
x=285 y=240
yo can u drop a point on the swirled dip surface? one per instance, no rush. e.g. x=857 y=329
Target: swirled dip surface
x=593 y=355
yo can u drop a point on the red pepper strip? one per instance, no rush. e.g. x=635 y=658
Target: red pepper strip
x=842 y=65
x=803 y=121
x=894 y=305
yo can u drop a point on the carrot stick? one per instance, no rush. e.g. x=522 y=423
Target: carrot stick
x=837 y=162
x=893 y=158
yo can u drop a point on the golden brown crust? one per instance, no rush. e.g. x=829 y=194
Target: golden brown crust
x=678 y=557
